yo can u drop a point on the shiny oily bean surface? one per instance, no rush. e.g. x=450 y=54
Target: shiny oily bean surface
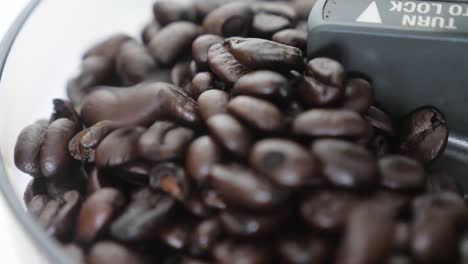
x=223 y=64
x=134 y=63
x=171 y=179
x=212 y=102
x=314 y=93
x=205 y=236
x=200 y=47
x=167 y=11
x=243 y=224
x=111 y=252
x=359 y=95
x=263 y=84
x=291 y=37
x=28 y=148
x=230 y=134
x=229 y=252
x=440 y=181
x=326 y=70
x=233 y=19
x=401 y=173
x=304 y=249
x=202 y=154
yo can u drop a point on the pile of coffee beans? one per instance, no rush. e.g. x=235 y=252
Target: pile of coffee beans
x=215 y=140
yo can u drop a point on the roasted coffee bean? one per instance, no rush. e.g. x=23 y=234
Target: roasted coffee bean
x=229 y=252
x=401 y=173
x=327 y=71
x=171 y=179
x=280 y=8
x=54 y=158
x=345 y=164
x=264 y=25
x=463 y=249
x=368 y=237
x=213 y=199
x=201 y=156
x=119 y=147
x=75 y=253
x=423 y=134
x=328 y=211
x=292 y=37
x=97 y=212
x=402 y=237
x=108 y=47
x=205 y=236
x=258 y=113
x=212 y=102
x=149 y=31
x=359 y=95
x=36 y=186
x=317 y=94
x=141 y=218
x=167 y=44
x=243 y=224
x=200 y=47
x=196 y=206
x=230 y=134
x=134 y=63
x=380 y=120
x=223 y=64
x=439 y=181
x=242 y=187
x=64 y=109
x=139 y=105
x=136 y=172
x=304 y=249
x=164 y=141
x=379 y=145
x=37 y=204
x=177 y=233
x=28 y=148
x=330 y=123
x=263 y=84
x=302 y=25
x=285 y=162
x=168 y=11
x=233 y=19
x=399 y=259
x=261 y=54
x=178 y=259
x=303 y=7
x=181 y=75
x=201 y=83
x=111 y=252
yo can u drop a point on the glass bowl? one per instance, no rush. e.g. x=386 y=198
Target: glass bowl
x=38 y=61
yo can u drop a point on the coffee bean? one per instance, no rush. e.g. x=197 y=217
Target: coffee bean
x=233 y=19
x=423 y=134
x=212 y=102
x=401 y=173
x=177 y=233
x=136 y=172
x=167 y=11
x=439 y=181
x=291 y=37
x=134 y=63
x=229 y=252
x=202 y=82
x=345 y=164
x=171 y=179
x=326 y=70
x=243 y=224
x=184 y=259
x=303 y=7
x=97 y=212
x=264 y=25
x=463 y=249
x=223 y=64
x=36 y=186
x=205 y=237
x=196 y=206
x=263 y=84
x=380 y=120
x=230 y=134
x=75 y=253
x=64 y=109
x=164 y=141
x=28 y=148
x=167 y=44
x=330 y=123
x=111 y=252
x=304 y=249
x=359 y=95
x=402 y=237
x=200 y=47
x=213 y=199
x=108 y=47
x=201 y=156
x=149 y=31
x=181 y=76
x=258 y=113
x=279 y=8
x=285 y=162
x=243 y=188
x=317 y=94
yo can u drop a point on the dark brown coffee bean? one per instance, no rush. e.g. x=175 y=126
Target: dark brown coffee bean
x=64 y=109
x=258 y=113
x=74 y=180
x=202 y=82
x=292 y=37
x=303 y=8
x=111 y=252
x=304 y=249
x=243 y=224
x=35 y=187
x=142 y=216
x=181 y=75
x=285 y=162
x=280 y=8
x=317 y=94
x=171 y=179
x=264 y=25
x=136 y=172
x=380 y=120
x=94 y=182
x=359 y=95
x=243 y=188
x=223 y=64
x=261 y=54
x=200 y=47
x=229 y=252
x=329 y=211
x=97 y=212
x=196 y=206
x=263 y=84
x=233 y=19
x=177 y=233
x=399 y=259
x=164 y=141
x=75 y=253
x=302 y=25
x=402 y=237
x=167 y=44
x=167 y=11
x=213 y=199
x=379 y=144
x=230 y=134
x=134 y=63
x=204 y=7
x=440 y=181
x=28 y=148
x=139 y=105
x=212 y=102
x=108 y=47
x=330 y=123
x=401 y=173
x=205 y=236
x=178 y=259
x=149 y=31
x=463 y=249
x=202 y=154
x=368 y=237
x=37 y=204
x=327 y=71
x=119 y=147
x=346 y=164
x=54 y=158
x=423 y=134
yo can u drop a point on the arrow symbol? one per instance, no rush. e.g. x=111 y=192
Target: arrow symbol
x=370 y=15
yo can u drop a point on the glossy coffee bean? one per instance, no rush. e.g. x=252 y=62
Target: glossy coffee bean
x=258 y=113
x=164 y=140
x=176 y=234
x=280 y=8
x=380 y=120
x=134 y=63
x=303 y=7
x=196 y=206
x=330 y=123
x=359 y=95
x=439 y=181
x=213 y=199
x=212 y=102
x=28 y=148
x=291 y=37
x=64 y=109
x=304 y=249
x=200 y=47
x=264 y=25
x=326 y=70
x=202 y=82
x=423 y=134
x=36 y=186
x=230 y=134
x=244 y=188
x=171 y=179
x=97 y=212
x=167 y=11
x=263 y=84
x=108 y=47
x=149 y=31
x=285 y=162
x=112 y=252
x=181 y=75
x=402 y=237
x=345 y=164
x=233 y=19
x=401 y=173
x=136 y=173
x=223 y=64
x=314 y=93
x=205 y=236
x=229 y=252
x=202 y=155
x=243 y=224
